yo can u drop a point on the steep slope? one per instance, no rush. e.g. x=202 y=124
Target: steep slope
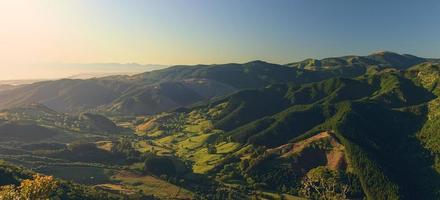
x=382 y=146
x=396 y=90
x=390 y=89
x=382 y=121
x=331 y=90
x=149 y=92
x=428 y=76
x=248 y=105
x=167 y=89
x=160 y=90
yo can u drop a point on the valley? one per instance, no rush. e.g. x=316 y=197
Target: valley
x=351 y=127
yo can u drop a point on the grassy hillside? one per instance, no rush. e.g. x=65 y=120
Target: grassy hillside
x=352 y=127
x=383 y=125
x=163 y=90
x=43 y=116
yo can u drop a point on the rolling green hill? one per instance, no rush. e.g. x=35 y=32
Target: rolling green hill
x=177 y=86
x=382 y=125
x=351 y=127
x=41 y=115
x=150 y=92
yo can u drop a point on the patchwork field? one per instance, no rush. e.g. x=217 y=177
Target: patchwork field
x=149 y=185
x=189 y=142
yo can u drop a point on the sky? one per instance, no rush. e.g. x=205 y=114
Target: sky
x=47 y=38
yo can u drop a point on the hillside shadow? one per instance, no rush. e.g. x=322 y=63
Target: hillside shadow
x=407 y=162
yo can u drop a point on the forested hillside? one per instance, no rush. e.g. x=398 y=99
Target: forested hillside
x=352 y=127
x=383 y=122
x=177 y=86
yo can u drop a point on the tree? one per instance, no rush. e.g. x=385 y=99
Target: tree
x=323 y=183
x=211 y=149
x=159 y=165
x=41 y=187
x=124 y=147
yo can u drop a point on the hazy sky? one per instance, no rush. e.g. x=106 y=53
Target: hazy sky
x=36 y=33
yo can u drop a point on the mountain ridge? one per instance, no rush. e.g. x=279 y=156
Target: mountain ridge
x=108 y=92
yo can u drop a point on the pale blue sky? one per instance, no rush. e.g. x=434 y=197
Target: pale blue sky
x=212 y=31
x=280 y=31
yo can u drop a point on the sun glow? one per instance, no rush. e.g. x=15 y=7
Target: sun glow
x=34 y=33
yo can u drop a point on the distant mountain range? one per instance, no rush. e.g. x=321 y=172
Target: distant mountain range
x=5 y=83
x=83 y=71
x=93 y=70
x=179 y=86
